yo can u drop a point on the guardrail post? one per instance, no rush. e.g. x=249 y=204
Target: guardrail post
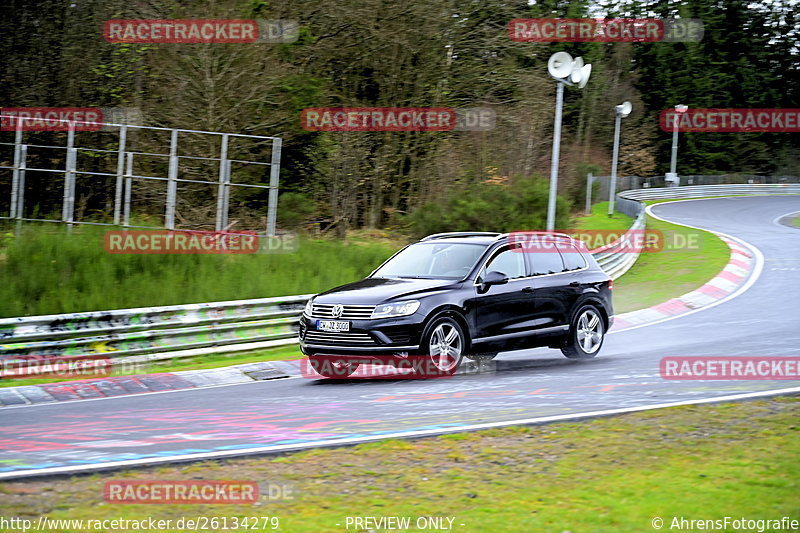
x=123 y=134
x=274 y=174
x=172 y=185
x=221 y=196
x=68 y=209
x=126 y=216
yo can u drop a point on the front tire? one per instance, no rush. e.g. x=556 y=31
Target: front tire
x=586 y=334
x=446 y=343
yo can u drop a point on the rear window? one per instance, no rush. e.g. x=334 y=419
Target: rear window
x=573 y=259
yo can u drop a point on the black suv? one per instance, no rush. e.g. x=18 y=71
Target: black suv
x=455 y=295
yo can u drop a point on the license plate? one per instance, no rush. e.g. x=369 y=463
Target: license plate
x=333 y=325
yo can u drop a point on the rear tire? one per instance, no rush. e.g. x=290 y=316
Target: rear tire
x=586 y=334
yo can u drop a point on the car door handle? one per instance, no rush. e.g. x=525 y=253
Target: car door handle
x=527 y=289
x=575 y=284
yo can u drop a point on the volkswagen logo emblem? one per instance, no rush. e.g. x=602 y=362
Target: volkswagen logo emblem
x=337 y=310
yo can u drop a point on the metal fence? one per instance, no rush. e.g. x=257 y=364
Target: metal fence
x=192 y=174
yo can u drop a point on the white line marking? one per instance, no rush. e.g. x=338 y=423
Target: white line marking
x=409 y=434
x=754 y=275
x=777 y=218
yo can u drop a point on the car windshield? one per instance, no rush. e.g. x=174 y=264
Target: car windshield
x=432 y=260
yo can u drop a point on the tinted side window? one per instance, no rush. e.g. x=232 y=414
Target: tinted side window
x=546 y=262
x=573 y=260
x=510 y=263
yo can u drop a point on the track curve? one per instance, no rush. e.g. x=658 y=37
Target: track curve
x=528 y=387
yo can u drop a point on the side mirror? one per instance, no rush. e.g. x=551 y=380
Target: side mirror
x=494 y=278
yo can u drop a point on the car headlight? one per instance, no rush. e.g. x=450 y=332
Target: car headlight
x=409 y=307
x=309 y=307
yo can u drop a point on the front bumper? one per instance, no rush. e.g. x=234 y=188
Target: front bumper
x=365 y=338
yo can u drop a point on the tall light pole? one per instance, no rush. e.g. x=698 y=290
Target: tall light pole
x=621 y=111
x=566 y=71
x=672 y=177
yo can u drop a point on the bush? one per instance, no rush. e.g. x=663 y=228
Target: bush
x=491 y=207
x=294 y=209
x=54 y=272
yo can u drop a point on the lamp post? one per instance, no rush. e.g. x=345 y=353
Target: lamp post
x=621 y=111
x=672 y=177
x=566 y=71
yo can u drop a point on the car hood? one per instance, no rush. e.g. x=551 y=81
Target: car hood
x=373 y=291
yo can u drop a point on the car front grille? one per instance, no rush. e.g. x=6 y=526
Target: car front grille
x=350 y=312
x=328 y=338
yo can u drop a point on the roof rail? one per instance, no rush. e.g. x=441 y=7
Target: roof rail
x=461 y=234
x=549 y=233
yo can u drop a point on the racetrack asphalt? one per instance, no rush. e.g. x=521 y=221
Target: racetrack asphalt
x=524 y=386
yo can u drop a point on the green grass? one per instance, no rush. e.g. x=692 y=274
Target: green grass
x=605 y=475
x=48 y=271
x=658 y=276
x=199 y=362
x=599 y=219
x=795 y=222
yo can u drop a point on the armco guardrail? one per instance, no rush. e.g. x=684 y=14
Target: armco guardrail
x=628 y=201
x=612 y=258
x=126 y=332
x=700 y=191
